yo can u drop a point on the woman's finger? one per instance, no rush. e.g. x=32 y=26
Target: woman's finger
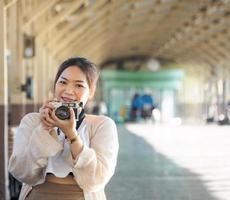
x=72 y=114
x=47 y=115
x=46 y=124
x=50 y=120
x=53 y=116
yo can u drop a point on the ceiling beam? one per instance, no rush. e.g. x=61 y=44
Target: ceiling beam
x=79 y=34
x=80 y=18
x=9 y=4
x=40 y=10
x=56 y=20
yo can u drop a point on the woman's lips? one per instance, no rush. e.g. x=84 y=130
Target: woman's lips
x=66 y=99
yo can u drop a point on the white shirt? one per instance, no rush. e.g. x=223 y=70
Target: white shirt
x=61 y=164
x=34 y=147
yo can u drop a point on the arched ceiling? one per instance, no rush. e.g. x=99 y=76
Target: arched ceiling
x=190 y=31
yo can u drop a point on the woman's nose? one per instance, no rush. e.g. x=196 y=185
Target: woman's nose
x=69 y=90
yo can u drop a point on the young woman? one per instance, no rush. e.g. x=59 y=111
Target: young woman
x=66 y=159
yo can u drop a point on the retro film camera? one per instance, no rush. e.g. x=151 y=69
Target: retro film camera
x=62 y=110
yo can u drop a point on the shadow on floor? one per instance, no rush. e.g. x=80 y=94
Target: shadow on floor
x=144 y=174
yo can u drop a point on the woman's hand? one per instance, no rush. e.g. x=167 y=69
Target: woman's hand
x=67 y=126
x=45 y=115
x=50 y=120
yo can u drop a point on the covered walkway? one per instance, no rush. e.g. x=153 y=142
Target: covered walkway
x=176 y=52
x=172 y=163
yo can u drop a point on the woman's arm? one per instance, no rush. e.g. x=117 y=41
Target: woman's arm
x=94 y=166
x=32 y=147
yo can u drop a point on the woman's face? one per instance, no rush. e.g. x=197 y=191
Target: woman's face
x=72 y=86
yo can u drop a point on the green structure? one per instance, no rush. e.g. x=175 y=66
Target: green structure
x=119 y=87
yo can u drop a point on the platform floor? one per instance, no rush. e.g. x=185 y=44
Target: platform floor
x=172 y=163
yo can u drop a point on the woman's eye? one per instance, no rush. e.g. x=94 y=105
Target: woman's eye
x=62 y=82
x=79 y=86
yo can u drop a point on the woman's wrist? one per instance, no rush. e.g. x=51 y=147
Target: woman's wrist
x=71 y=141
x=71 y=134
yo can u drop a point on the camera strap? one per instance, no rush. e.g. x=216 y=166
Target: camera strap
x=80 y=119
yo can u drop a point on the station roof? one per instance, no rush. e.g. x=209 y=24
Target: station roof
x=188 y=31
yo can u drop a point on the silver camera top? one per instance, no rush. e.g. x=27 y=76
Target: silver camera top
x=57 y=104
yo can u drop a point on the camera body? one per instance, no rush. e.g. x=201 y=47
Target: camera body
x=62 y=110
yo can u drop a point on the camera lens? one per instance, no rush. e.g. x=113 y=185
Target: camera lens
x=62 y=112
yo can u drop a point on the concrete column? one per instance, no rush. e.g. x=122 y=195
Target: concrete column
x=41 y=74
x=16 y=67
x=38 y=75
x=4 y=194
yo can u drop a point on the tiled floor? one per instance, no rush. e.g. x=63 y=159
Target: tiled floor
x=172 y=163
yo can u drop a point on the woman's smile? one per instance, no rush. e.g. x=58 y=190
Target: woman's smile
x=67 y=99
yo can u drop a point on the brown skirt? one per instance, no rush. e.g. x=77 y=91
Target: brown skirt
x=54 y=191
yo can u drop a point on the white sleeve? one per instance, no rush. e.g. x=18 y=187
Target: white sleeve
x=94 y=166
x=32 y=147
